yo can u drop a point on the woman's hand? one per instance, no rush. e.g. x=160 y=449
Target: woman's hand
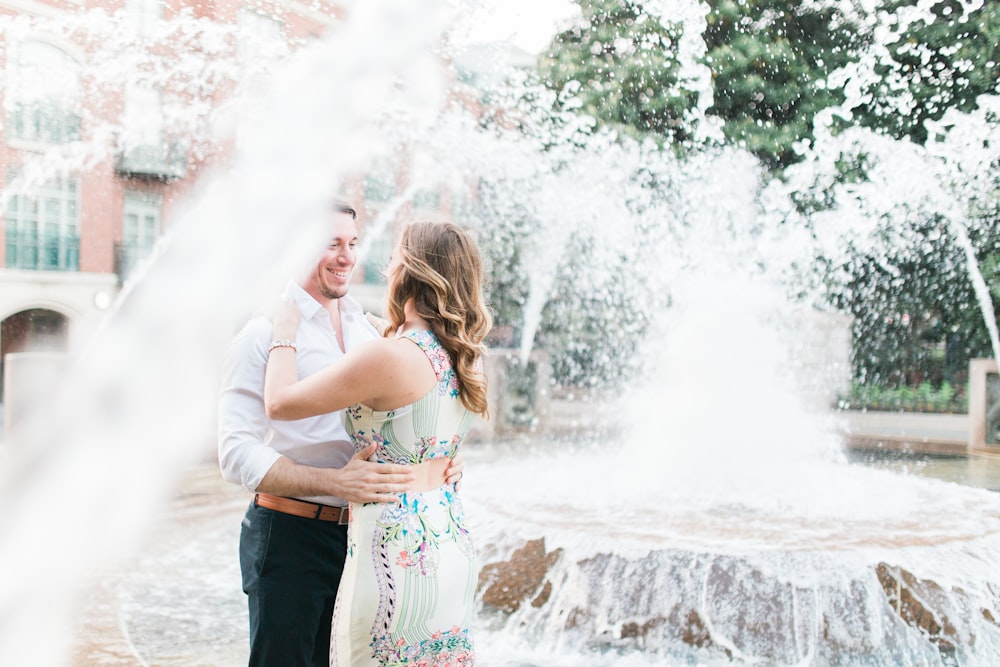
x=285 y=317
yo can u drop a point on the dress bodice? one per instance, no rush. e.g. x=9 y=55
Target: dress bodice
x=429 y=428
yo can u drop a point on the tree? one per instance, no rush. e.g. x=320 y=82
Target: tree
x=779 y=65
x=769 y=61
x=945 y=59
x=620 y=65
x=773 y=67
x=916 y=317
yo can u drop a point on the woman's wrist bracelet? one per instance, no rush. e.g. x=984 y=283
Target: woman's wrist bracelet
x=284 y=342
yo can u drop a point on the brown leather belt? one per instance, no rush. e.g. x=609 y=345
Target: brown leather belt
x=339 y=515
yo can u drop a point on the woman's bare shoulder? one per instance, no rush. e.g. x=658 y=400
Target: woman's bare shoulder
x=387 y=352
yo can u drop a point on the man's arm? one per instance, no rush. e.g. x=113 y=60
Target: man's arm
x=359 y=481
x=244 y=429
x=247 y=460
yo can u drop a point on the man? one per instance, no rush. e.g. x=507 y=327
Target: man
x=293 y=541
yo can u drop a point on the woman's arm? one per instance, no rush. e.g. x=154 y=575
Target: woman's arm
x=384 y=373
x=357 y=377
x=354 y=378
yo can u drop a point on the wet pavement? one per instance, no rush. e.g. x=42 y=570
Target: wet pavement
x=176 y=599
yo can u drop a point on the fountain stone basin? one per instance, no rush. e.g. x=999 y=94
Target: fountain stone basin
x=899 y=569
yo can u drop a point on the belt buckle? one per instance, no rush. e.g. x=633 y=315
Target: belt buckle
x=338 y=515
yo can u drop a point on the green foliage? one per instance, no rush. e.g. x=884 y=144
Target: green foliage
x=593 y=321
x=915 y=312
x=991 y=274
x=506 y=224
x=592 y=326
x=620 y=66
x=769 y=61
x=917 y=317
x=934 y=66
x=924 y=398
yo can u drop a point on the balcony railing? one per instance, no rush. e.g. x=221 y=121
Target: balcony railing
x=45 y=252
x=43 y=121
x=164 y=161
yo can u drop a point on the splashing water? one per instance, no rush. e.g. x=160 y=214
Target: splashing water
x=963 y=156
x=719 y=524
x=140 y=398
x=979 y=285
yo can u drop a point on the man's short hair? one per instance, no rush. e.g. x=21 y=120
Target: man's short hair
x=341 y=206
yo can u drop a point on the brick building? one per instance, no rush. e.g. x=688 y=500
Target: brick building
x=108 y=108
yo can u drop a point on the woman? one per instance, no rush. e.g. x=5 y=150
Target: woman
x=406 y=597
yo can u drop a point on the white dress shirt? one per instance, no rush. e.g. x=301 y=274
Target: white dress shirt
x=250 y=443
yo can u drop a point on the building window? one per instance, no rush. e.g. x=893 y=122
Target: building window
x=260 y=45
x=144 y=14
x=143 y=120
x=140 y=229
x=43 y=229
x=145 y=151
x=44 y=94
x=261 y=39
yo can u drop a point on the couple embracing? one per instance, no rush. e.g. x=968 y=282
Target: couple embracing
x=348 y=437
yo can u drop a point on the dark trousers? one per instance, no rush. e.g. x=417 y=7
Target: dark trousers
x=291 y=570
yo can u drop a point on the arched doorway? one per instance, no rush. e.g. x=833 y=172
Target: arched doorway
x=34 y=330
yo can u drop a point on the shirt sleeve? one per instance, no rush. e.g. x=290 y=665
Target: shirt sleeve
x=244 y=429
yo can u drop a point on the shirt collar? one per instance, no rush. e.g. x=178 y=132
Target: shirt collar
x=309 y=306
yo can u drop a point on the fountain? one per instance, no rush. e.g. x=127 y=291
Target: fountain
x=722 y=525
x=716 y=522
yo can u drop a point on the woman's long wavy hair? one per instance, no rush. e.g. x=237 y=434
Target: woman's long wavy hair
x=438 y=265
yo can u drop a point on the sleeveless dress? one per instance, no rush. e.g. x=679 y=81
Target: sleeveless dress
x=406 y=596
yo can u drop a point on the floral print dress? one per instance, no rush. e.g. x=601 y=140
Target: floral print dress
x=406 y=596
